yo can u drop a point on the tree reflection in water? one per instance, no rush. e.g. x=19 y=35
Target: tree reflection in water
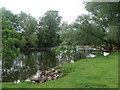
x=32 y=61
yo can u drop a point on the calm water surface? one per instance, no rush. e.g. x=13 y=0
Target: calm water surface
x=32 y=61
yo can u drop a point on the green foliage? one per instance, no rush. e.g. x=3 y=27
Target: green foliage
x=28 y=28
x=65 y=51
x=105 y=16
x=10 y=38
x=9 y=20
x=88 y=32
x=67 y=33
x=48 y=28
x=9 y=44
x=99 y=28
x=23 y=31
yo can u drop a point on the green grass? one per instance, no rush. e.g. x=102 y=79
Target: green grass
x=99 y=72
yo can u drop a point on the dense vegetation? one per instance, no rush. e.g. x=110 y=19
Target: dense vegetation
x=99 y=72
x=24 y=31
x=99 y=29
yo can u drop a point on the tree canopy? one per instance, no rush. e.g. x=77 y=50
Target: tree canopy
x=49 y=25
x=101 y=25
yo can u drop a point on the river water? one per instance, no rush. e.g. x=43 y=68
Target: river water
x=32 y=61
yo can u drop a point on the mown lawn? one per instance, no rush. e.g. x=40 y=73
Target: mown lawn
x=99 y=72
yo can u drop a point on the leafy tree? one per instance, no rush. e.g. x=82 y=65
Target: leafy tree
x=106 y=16
x=28 y=29
x=100 y=27
x=9 y=20
x=88 y=31
x=49 y=26
x=10 y=38
x=68 y=33
x=9 y=42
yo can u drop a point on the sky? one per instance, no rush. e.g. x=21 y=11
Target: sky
x=68 y=9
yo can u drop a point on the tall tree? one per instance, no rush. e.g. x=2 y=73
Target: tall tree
x=10 y=37
x=101 y=25
x=28 y=28
x=49 y=26
x=106 y=16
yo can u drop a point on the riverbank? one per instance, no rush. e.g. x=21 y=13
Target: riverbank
x=99 y=72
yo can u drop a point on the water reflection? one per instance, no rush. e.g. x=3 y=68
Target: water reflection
x=28 y=65
x=32 y=61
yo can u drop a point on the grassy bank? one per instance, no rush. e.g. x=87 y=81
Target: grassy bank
x=99 y=72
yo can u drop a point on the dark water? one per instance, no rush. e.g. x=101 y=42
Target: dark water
x=32 y=61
